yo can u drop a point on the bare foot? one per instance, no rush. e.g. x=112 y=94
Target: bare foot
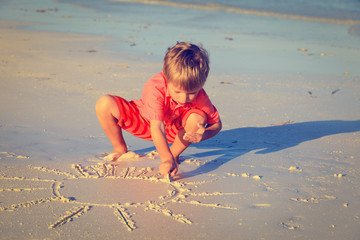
x=112 y=157
x=129 y=155
x=115 y=156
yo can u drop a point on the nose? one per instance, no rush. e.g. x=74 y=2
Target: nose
x=185 y=98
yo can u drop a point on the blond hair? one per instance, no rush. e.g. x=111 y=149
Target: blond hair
x=186 y=66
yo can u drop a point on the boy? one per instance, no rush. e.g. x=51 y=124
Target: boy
x=174 y=108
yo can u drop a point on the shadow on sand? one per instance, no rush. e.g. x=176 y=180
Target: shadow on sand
x=230 y=144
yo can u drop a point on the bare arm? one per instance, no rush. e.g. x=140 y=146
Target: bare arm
x=212 y=130
x=168 y=164
x=203 y=133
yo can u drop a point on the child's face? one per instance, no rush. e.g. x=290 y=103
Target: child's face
x=182 y=96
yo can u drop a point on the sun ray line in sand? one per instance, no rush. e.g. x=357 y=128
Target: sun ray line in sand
x=126 y=173
x=177 y=192
x=30 y=203
x=212 y=205
x=26 y=179
x=202 y=182
x=56 y=171
x=124 y=217
x=80 y=170
x=74 y=213
x=255 y=177
x=213 y=194
x=21 y=189
x=159 y=209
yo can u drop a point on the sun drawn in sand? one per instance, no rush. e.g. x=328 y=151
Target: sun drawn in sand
x=73 y=189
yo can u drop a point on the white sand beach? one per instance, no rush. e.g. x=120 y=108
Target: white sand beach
x=285 y=165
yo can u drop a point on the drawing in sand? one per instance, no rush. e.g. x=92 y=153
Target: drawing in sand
x=73 y=187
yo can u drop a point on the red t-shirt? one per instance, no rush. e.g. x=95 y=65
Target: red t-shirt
x=157 y=104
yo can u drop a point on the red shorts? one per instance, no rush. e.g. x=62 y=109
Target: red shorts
x=131 y=120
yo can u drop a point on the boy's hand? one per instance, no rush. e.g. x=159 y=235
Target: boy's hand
x=195 y=137
x=167 y=167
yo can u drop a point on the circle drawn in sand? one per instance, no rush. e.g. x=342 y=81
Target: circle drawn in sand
x=109 y=186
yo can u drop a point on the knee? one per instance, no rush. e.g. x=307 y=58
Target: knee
x=193 y=120
x=104 y=104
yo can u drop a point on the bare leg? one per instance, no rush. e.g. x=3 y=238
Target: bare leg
x=180 y=144
x=108 y=115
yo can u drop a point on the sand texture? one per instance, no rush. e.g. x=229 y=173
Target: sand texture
x=285 y=166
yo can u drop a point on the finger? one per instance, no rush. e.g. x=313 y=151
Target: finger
x=201 y=129
x=164 y=168
x=173 y=172
x=189 y=136
x=186 y=137
x=163 y=172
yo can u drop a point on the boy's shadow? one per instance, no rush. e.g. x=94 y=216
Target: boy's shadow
x=230 y=144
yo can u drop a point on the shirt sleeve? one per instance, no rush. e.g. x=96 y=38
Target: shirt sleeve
x=213 y=117
x=204 y=103
x=153 y=98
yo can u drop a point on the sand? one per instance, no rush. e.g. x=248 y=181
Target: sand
x=285 y=165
